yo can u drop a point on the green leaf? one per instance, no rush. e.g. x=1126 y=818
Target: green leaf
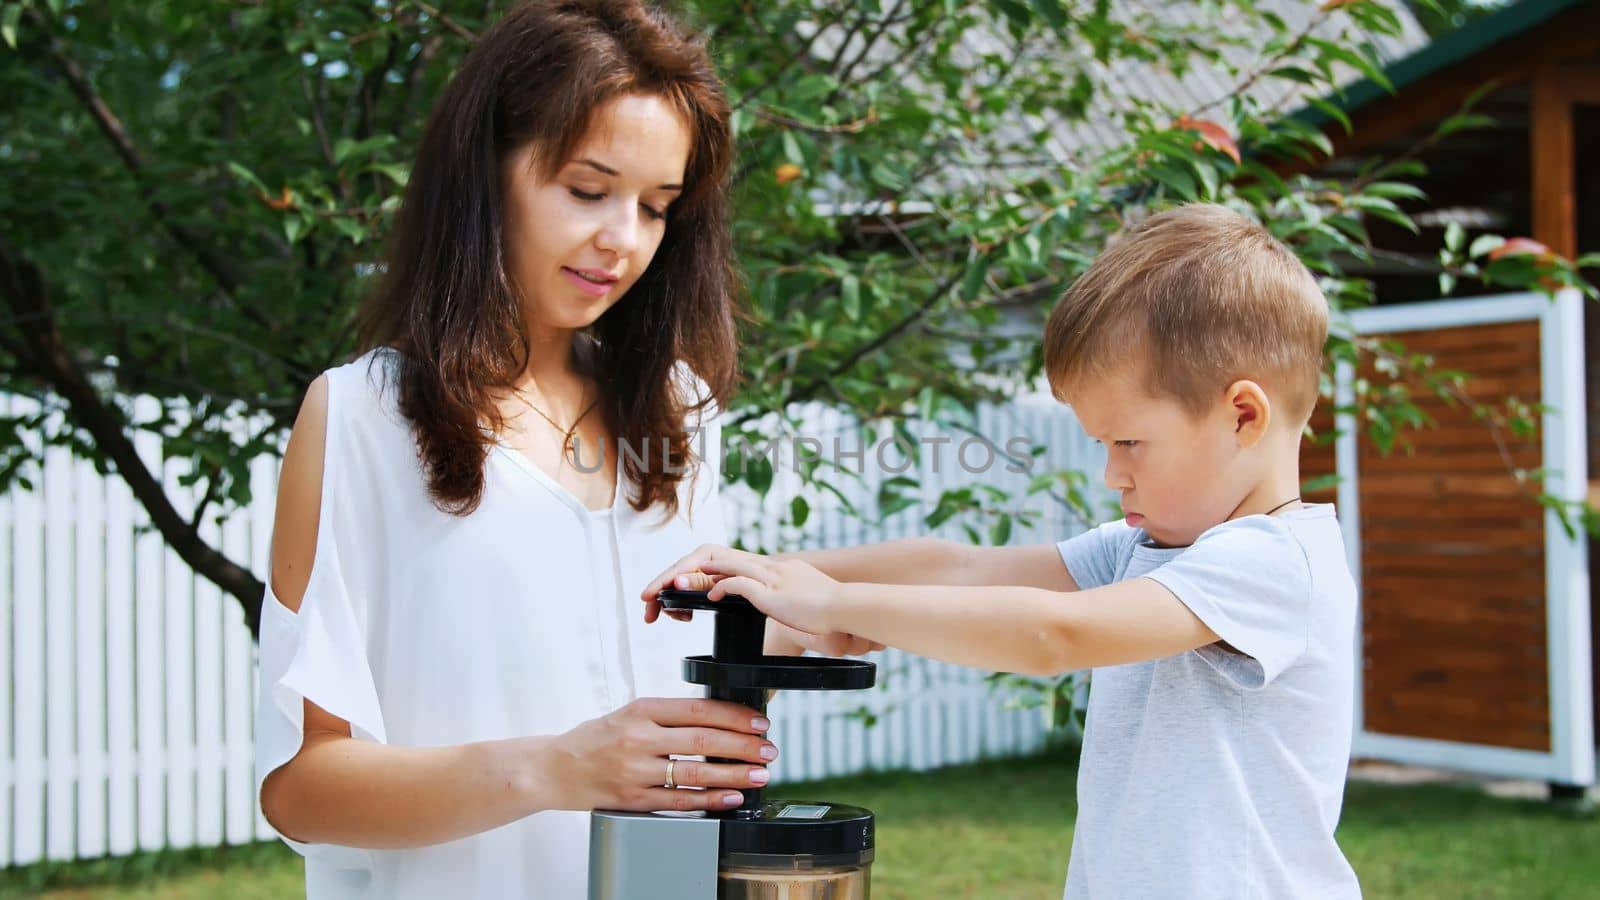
x=1334 y=112
x=799 y=511
x=791 y=149
x=293 y=227
x=1464 y=122
x=1052 y=12
x=1484 y=244
x=395 y=172
x=1454 y=235
x=350 y=228
x=1319 y=483
x=1395 y=190
x=9 y=17
x=241 y=172
x=1002 y=531
x=1297 y=75
x=972 y=279
x=345 y=148
x=894 y=504
x=1361 y=62
x=758 y=474
x=850 y=296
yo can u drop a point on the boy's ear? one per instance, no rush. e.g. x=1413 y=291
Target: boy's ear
x=1250 y=411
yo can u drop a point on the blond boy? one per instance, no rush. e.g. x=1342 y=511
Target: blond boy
x=1218 y=614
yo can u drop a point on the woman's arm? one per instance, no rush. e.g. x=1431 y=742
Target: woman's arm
x=342 y=790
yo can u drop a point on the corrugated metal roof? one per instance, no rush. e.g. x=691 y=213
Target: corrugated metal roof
x=1154 y=88
x=1127 y=83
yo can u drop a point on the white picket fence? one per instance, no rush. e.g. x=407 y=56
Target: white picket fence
x=127 y=723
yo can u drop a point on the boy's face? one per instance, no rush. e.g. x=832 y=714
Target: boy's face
x=1178 y=473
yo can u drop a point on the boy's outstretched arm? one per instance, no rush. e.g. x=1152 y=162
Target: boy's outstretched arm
x=938 y=561
x=1013 y=629
x=909 y=561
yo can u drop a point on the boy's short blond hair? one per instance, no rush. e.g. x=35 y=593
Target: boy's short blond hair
x=1200 y=297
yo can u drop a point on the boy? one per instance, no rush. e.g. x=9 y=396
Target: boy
x=1218 y=615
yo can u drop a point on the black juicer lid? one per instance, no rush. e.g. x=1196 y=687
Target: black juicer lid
x=800 y=834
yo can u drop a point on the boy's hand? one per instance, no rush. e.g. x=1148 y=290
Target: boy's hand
x=785 y=641
x=781 y=640
x=792 y=592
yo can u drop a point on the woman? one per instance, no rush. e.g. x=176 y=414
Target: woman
x=451 y=669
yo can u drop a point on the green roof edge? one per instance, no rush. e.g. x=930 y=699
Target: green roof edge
x=1458 y=45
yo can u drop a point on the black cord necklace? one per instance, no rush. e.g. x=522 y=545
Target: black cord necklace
x=1280 y=506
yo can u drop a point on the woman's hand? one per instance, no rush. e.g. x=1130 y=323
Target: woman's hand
x=619 y=761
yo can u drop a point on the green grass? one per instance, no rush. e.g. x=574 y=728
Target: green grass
x=1001 y=830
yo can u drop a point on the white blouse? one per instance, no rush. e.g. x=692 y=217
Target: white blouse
x=423 y=629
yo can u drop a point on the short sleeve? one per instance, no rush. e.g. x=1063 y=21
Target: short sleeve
x=318 y=653
x=1094 y=557
x=1249 y=580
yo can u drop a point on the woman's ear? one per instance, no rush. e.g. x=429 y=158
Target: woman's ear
x=1249 y=410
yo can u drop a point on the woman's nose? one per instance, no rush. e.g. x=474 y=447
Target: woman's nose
x=620 y=232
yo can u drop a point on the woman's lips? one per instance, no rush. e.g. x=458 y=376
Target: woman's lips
x=592 y=288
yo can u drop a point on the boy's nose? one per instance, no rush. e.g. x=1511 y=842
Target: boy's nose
x=1117 y=479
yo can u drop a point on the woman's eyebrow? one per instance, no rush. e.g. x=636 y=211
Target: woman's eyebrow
x=607 y=170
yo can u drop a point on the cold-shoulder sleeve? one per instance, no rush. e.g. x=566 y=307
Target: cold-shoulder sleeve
x=320 y=653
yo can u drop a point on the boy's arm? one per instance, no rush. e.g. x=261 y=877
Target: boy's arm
x=1021 y=629
x=1014 y=629
x=938 y=561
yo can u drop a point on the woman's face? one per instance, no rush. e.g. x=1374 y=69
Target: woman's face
x=576 y=243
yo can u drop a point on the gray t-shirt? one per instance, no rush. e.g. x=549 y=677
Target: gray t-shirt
x=1219 y=773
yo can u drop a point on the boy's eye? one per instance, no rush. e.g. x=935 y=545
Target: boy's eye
x=1127 y=443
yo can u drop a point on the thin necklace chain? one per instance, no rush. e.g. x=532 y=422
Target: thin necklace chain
x=568 y=443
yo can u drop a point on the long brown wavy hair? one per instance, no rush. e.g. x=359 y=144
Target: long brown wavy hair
x=445 y=301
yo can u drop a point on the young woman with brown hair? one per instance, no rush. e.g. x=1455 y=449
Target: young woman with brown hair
x=452 y=668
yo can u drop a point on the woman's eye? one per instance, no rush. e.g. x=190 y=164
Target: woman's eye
x=585 y=195
x=652 y=212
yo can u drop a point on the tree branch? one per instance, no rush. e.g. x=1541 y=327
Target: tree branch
x=221 y=268
x=455 y=27
x=1266 y=65
x=47 y=357
x=866 y=47
x=809 y=389
x=783 y=67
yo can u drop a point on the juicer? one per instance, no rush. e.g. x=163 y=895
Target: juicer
x=765 y=849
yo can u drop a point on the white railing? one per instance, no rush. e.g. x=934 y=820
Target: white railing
x=127 y=723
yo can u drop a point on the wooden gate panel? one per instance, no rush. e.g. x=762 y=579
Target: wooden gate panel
x=1452 y=555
